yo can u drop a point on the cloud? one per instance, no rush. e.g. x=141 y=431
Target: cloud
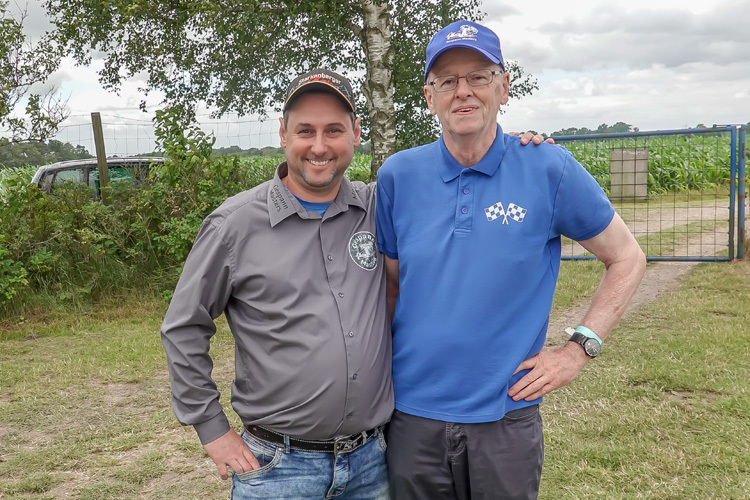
x=35 y=20
x=615 y=34
x=655 y=65
x=498 y=11
x=652 y=99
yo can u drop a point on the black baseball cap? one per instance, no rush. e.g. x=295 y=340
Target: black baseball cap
x=321 y=79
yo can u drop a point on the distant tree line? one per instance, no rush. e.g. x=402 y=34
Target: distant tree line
x=34 y=153
x=619 y=127
x=364 y=148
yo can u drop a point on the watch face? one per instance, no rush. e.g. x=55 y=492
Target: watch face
x=592 y=347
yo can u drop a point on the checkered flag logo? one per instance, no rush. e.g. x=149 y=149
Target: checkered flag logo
x=515 y=212
x=495 y=211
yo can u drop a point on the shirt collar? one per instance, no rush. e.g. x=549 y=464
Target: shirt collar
x=449 y=168
x=282 y=203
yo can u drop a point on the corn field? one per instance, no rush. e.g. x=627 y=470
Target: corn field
x=676 y=163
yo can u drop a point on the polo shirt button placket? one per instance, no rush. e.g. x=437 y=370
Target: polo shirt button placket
x=465 y=201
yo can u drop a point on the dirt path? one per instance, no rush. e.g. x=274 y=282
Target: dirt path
x=659 y=278
x=642 y=221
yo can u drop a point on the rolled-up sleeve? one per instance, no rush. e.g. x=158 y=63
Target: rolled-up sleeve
x=201 y=295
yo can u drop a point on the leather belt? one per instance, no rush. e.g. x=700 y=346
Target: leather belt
x=344 y=444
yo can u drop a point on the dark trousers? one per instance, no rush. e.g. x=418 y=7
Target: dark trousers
x=435 y=460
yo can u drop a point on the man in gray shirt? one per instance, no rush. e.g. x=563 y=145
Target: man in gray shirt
x=293 y=264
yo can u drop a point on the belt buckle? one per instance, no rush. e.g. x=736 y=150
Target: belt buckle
x=347 y=444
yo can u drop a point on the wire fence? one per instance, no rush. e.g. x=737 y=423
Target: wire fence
x=681 y=192
x=125 y=136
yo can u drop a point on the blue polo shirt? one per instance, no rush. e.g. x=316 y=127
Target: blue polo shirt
x=479 y=254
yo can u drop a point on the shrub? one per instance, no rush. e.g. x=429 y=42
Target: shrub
x=12 y=275
x=70 y=248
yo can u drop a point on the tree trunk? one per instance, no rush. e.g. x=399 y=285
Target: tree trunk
x=378 y=86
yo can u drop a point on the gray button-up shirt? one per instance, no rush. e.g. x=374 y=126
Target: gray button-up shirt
x=304 y=299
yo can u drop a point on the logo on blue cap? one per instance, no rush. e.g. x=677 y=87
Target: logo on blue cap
x=465 y=31
x=464 y=34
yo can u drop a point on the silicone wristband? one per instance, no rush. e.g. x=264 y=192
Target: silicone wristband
x=588 y=333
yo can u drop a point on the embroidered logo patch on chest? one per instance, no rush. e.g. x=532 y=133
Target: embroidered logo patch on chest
x=363 y=251
x=514 y=212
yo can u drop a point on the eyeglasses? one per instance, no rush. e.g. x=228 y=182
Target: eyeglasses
x=476 y=78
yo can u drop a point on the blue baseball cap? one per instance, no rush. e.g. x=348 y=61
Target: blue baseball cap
x=464 y=34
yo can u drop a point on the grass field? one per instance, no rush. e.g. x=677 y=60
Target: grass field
x=663 y=413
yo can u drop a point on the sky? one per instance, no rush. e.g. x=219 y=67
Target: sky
x=654 y=65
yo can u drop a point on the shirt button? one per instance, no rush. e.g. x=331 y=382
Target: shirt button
x=341 y=295
x=330 y=257
x=466 y=190
x=354 y=377
x=351 y=334
x=464 y=210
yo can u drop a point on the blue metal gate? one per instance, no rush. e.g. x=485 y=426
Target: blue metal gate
x=681 y=192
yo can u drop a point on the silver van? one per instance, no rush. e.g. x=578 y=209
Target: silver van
x=125 y=169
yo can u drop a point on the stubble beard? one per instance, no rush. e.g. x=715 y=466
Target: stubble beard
x=311 y=181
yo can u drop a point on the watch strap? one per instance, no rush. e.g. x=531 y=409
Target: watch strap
x=578 y=338
x=586 y=332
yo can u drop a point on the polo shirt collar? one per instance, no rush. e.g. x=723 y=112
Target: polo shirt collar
x=282 y=203
x=449 y=168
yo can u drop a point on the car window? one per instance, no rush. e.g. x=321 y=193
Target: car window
x=116 y=174
x=61 y=176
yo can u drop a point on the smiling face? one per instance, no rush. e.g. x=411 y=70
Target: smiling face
x=319 y=138
x=466 y=113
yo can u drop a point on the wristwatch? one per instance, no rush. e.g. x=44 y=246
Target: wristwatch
x=591 y=343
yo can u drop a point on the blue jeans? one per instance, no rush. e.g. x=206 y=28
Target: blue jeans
x=359 y=475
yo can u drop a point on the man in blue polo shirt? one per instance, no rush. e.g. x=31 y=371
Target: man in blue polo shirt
x=470 y=226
